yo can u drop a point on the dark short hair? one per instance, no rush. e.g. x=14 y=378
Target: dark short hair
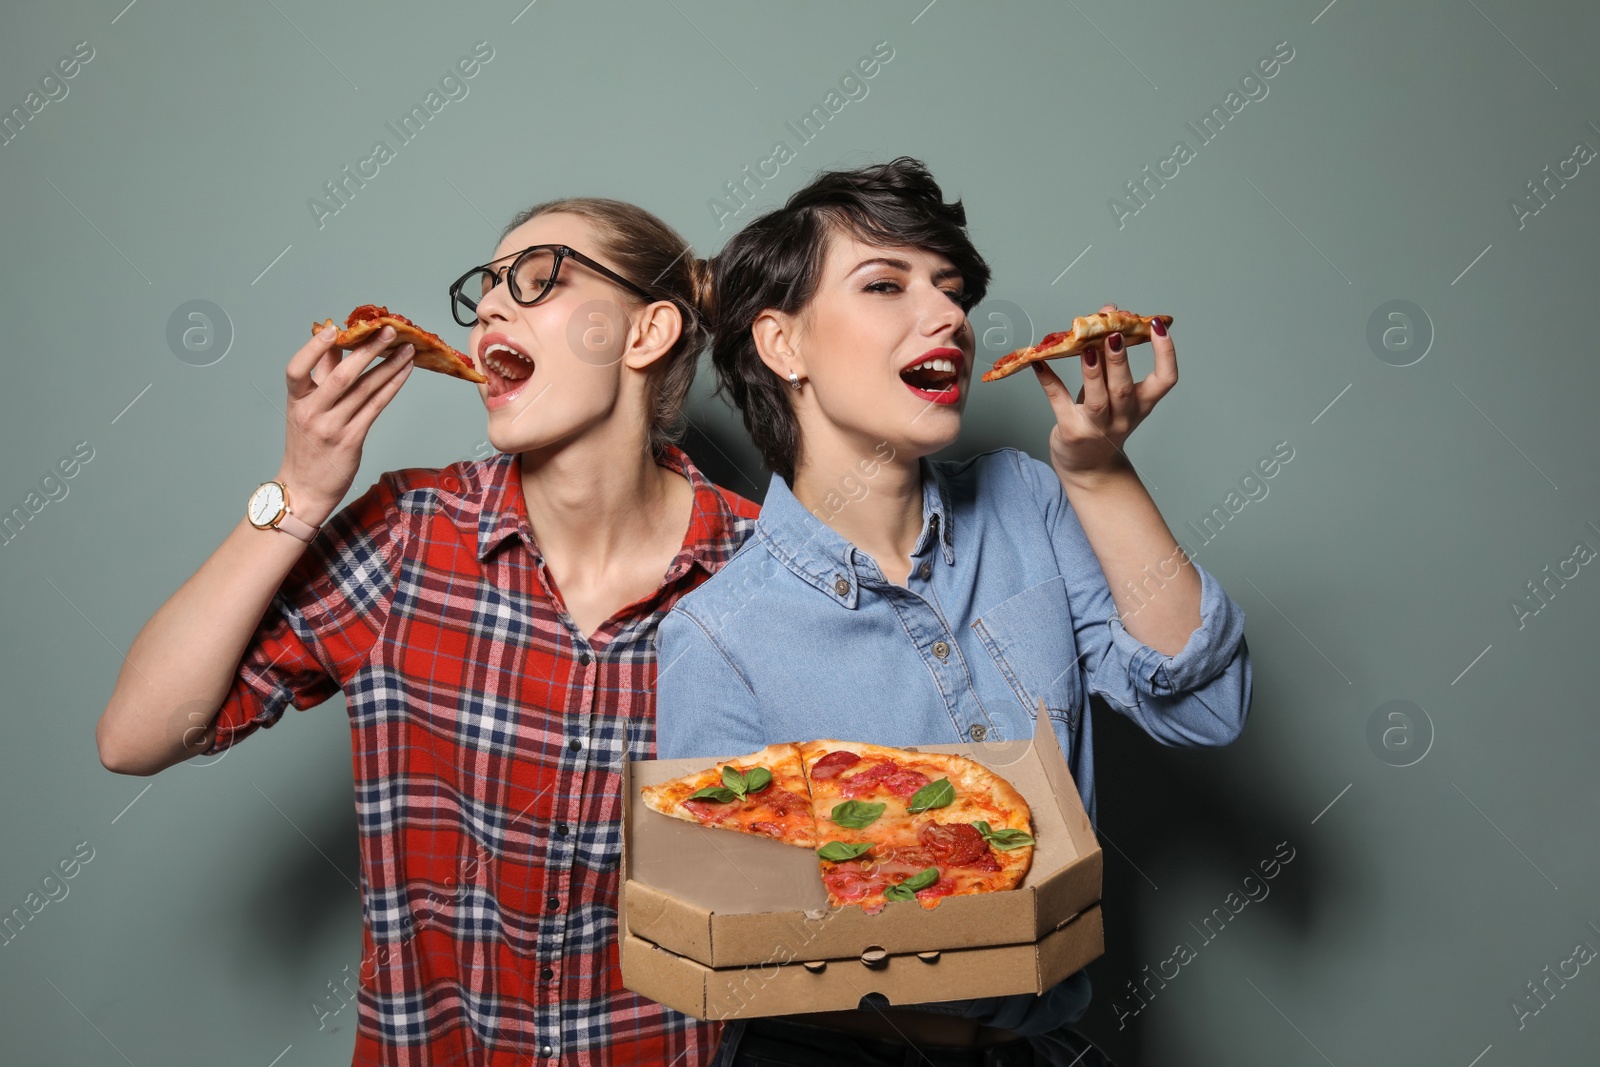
x=776 y=263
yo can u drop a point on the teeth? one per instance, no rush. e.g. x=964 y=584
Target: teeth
x=936 y=364
x=516 y=368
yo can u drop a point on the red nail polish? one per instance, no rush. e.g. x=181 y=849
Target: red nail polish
x=1114 y=342
x=1159 y=327
x=1091 y=358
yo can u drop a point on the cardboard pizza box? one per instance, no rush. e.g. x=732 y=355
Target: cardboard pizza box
x=703 y=909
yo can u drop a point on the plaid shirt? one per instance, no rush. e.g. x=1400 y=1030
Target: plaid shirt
x=487 y=739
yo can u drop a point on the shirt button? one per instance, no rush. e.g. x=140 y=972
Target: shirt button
x=977 y=731
x=574 y=744
x=841 y=586
x=585 y=658
x=561 y=829
x=547 y=1051
x=547 y=974
x=553 y=902
x=941 y=649
x=925 y=571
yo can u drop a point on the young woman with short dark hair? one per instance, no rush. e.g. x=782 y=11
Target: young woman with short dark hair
x=890 y=598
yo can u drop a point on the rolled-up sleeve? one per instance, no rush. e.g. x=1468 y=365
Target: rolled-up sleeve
x=704 y=707
x=1198 y=697
x=323 y=620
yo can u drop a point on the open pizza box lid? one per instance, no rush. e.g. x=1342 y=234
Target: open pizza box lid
x=725 y=899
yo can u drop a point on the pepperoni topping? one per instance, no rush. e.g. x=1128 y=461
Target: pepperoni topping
x=942 y=888
x=954 y=843
x=913 y=857
x=762 y=826
x=1051 y=339
x=367 y=312
x=862 y=783
x=904 y=783
x=782 y=801
x=830 y=765
x=849 y=881
x=709 y=810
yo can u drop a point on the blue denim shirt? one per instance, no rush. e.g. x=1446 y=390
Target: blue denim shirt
x=800 y=636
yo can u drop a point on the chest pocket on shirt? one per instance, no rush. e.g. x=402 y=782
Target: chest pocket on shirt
x=1030 y=639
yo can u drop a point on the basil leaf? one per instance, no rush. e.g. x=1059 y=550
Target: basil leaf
x=734 y=780
x=856 y=814
x=907 y=890
x=1006 y=840
x=839 y=851
x=933 y=795
x=758 y=778
x=713 y=792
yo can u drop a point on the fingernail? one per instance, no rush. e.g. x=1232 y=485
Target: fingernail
x=1115 y=342
x=407 y=350
x=1159 y=327
x=1091 y=358
x=327 y=333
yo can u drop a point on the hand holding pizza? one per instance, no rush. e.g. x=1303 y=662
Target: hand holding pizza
x=332 y=405
x=1089 y=432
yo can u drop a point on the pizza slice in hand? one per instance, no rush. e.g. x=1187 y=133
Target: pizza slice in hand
x=1086 y=330
x=764 y=793
x=432 y=353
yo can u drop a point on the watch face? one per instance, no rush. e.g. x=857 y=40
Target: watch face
x=265 y=503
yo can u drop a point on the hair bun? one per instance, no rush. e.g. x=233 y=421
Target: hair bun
x=703 y=281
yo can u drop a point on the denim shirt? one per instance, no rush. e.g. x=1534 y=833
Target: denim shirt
x=800 y=636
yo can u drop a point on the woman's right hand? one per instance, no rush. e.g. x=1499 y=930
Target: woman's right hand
x=332 y=405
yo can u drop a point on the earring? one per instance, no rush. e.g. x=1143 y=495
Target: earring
x=794 y=380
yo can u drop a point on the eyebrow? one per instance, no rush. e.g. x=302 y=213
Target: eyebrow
x=900 y=264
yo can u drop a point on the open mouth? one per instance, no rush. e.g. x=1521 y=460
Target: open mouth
x=506 y=367
x=935 y=376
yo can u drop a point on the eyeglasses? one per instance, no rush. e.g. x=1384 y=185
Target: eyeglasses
x=530 y=278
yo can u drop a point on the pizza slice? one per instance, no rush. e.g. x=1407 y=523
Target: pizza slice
x=892 y=824
x=432 y=353
x=764 y=793
x=1086 y=329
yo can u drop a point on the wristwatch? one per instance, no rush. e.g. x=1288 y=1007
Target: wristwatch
x=268 y=509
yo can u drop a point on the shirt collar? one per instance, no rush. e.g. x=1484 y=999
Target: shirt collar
x=486 y=503
x=814 y=551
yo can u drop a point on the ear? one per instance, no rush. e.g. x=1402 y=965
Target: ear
x=777 y=336
x=655 y=330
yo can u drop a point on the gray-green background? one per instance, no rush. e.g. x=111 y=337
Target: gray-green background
x=1380 y=565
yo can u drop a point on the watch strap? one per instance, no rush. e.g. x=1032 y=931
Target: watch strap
x=291 y=525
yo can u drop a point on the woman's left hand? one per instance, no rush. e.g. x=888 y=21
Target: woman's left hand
x=1089 y=432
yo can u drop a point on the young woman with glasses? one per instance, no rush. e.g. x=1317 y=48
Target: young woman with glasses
x=491 y=625
x=886 y=597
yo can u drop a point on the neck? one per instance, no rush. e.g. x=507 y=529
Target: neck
x=885 y=520
x=594 y=498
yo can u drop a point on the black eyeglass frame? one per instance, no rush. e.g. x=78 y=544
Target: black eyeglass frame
x=562 y=253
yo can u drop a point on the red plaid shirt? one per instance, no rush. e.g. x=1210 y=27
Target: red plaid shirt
x=488 y=737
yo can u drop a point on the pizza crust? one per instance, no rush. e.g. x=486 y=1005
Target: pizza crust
x=432 y=353
x=1085 y=331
